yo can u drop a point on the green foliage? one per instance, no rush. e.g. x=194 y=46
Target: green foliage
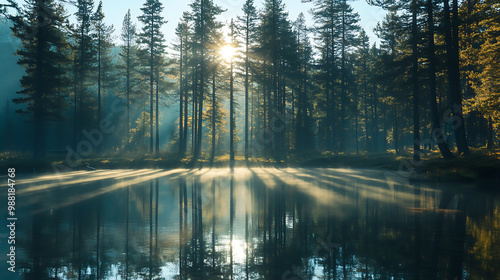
x=486 y=73
x=41 y=28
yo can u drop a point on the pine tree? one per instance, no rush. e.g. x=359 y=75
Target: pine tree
x=183 y=34
x=325 y=14
x=40 y=25
x=128 y=54
x=203 y=16
x=276 y=45
x=362 y=72
x=485 y=75
x=248 y=23
x=395 y=74
x=455 y=91
x=232 y=121
x=152 y=42
x=337 y=27
x=348 y=29
x=414 y=73
x=84 y=66
x=436 y=129
x=303 y=132
x=218 y=73
x=105 y=70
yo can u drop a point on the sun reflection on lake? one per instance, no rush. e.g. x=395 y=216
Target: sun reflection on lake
x=252 y=223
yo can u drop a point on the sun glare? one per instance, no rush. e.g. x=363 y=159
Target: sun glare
x=227 y=52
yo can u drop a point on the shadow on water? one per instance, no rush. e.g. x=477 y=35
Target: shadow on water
x=257 y=223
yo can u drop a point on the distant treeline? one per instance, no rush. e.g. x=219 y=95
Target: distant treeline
x=434 y=80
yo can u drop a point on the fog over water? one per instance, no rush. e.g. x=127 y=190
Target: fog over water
x=252 y=223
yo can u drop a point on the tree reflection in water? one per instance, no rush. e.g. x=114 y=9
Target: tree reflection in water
x=253 y=224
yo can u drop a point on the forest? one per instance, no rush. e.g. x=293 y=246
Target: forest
x=256 y=146
x=261 y=86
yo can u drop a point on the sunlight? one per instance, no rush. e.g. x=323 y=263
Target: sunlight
x=239 y=247
x=153 y=174
x=103 y=175
x=227 y=52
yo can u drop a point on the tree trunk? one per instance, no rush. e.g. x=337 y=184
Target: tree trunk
x=151 y=86
x=246 y=86
x=395 y=132
x=436 y=129
x=490 y=134
x=157 y=114
x=343 y=97
x=375 y=119
x=456 y=94
x=356 y=121
x=194 y=109
x=186 y=100
x=181 y=96
x=416 y=115
x=214 y=110
x=39 y=144
x=128 y=94
x=231 y=115
x=99 y=43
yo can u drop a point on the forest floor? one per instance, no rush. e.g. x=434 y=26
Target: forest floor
x=480 y=166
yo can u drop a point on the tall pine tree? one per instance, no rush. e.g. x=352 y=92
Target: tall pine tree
x=152 y=41
x=40 y=26
x=128 y=54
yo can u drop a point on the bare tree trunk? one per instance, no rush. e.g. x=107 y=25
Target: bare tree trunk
x=416 y=115
x=456 y=94
x=157 y=114
x=231 y=107
x=490 y=134
x=246 y=87
x=151 y=86
x=214 y=110
x=436 y=129
x=181 y=96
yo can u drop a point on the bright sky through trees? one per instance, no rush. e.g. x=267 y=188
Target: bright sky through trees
x=227 y=52
x=115 y=10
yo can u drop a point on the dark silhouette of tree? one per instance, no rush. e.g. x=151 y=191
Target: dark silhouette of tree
x=203 y=16
x=128 y=54
x=303 y=121
x=436 y=129
x=41 y=28
x=277 y=50
x=248 y=25
x=232 y=121
x=183 y=34
x=363 y=75
x=104 y=44
x=84 y=67
x=454 y=84
x=152 y=42
x=348 y=29
x=326 y=16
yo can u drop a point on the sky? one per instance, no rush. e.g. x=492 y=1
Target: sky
x=115 y=10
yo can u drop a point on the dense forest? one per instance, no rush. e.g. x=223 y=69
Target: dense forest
x=260 y=85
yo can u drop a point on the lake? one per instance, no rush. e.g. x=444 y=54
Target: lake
x=252 y=223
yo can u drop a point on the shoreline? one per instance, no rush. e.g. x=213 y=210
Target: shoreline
x=476 y=168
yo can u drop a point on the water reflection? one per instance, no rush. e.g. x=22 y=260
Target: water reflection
x=253 y=224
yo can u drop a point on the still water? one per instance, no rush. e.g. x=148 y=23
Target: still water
x=257 y=223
